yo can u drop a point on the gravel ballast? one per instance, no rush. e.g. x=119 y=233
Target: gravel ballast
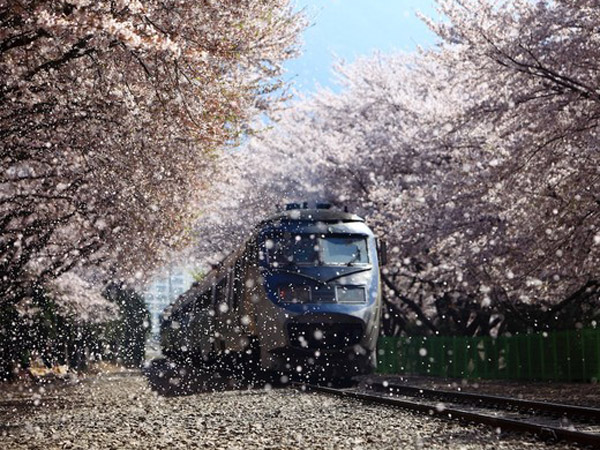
x=122 y=412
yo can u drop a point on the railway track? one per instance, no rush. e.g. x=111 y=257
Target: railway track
x=491 y=401
x=548 y=421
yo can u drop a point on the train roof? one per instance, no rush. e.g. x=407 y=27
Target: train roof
x=313 y=215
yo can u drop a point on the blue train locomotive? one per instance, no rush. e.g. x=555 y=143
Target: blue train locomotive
x=303 y=293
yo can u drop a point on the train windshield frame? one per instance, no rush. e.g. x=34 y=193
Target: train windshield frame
x=317 y=249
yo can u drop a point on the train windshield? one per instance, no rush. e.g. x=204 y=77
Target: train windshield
x=313 y=249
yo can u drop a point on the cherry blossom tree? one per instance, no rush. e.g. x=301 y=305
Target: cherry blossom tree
x=111 y=118
x=538 y=64
x=476 y=160
x=64 y=321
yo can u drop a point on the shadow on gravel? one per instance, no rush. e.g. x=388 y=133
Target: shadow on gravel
x=171 y=379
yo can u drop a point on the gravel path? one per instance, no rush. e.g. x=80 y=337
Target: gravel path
x=122 y=412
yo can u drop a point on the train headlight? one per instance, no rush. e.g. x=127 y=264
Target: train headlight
x=351 y=294
x=294 y=294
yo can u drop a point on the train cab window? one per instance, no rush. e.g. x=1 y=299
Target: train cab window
x=316 y=249
x=286 y=249
x=344 y=250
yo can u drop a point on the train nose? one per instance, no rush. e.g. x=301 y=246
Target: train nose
x=324 y=331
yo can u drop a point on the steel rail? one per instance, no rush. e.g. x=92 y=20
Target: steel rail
x=490 y=400
x=542 y=431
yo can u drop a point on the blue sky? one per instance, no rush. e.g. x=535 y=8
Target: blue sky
x=349 y=28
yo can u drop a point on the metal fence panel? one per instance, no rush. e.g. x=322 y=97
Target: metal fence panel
x=572 y=355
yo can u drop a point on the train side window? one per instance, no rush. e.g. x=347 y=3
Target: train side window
x=187 y=313
x=203 y=300
x=229 y=287
x=238 y=277
x=253 y=250
x=213 y=295
x=221 y=292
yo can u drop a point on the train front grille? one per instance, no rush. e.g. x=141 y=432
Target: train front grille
x=324 y=335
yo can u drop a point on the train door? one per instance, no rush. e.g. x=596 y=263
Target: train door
x=226 y=313
x=237 y=293
x=185 y=325
x=202 y=332
x=249 y=289
x=220 y=309
x=235 y=320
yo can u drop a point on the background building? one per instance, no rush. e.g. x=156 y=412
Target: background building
x=162 y=291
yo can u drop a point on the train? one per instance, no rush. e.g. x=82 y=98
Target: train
x=302 y=294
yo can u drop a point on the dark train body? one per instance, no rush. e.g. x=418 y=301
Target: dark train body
x=303 y=293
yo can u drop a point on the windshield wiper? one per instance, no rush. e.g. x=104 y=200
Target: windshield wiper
x=354 y=258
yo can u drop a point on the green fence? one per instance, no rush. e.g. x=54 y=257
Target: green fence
x=558 y=356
